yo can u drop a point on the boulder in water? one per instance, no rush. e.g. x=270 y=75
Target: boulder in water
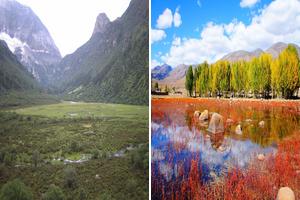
x=197 y=113
x=216 y=124
x=204 y=115
x=238 y=130
x=261 y=124
x=285 y=193
x=260 y=157
x=229 y=121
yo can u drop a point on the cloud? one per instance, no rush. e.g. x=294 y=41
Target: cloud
x=155 y=63
x=199 y=3
x=177 y=18
x=157 y=35
x=272 y=24
x=165 y=19
x=248 y=3
x=72 y=30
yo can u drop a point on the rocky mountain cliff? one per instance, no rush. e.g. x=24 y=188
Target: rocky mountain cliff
x=113 y=65
x=13 y=75
x=28 y=39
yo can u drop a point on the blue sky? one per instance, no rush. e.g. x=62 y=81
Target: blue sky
x=208 y=29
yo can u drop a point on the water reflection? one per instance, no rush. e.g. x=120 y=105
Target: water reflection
x=178 y=138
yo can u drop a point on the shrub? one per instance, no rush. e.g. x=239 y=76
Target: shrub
x=95 y=154
x=70 y=177
x=82 y=195
x=132 y=187
x=105 y=196
x=36 y=158
x=15 y=190
x=75 y=147
x=139 y=158
x=54 y=193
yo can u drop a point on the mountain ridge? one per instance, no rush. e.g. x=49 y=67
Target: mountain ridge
x=29 y=39
x=13 y=75
x=113 y=65
x=161 y=71
x=176 y=78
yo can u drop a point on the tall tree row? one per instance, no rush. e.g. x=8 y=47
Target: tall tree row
x=261 y=77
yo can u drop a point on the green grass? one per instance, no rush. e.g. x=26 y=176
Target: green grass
x=87 y=110
x=52 y=131
x=16 y=99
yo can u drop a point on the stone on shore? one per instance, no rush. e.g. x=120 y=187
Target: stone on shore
x=216 y=124
x=229 y=121
x=261 y=124
x=197 y=113
x=204 y=115
x=285 y=193
x=238 y=130
x=260 y=157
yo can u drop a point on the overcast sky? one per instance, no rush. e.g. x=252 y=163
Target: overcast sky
x=70 y=22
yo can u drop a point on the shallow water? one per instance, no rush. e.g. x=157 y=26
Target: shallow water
x=178 y=137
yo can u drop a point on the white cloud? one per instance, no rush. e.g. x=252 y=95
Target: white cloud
x=71 y=23
x=176 y=41
x=165 y=19
x=199 y=3
x=272 y=24
x=155 y=63
x=157 y=35
x=248 y=3
x=177 y=18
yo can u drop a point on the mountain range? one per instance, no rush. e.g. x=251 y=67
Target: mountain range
x=13 y=75
x=176 y=76
x=111 y=67
x=274 y=50
x=28 y=39
x=161 y=72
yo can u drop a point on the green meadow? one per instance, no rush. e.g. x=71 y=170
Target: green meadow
x=88 y=150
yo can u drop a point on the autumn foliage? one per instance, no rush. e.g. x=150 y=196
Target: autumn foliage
x=261 y=180
x=263 y=76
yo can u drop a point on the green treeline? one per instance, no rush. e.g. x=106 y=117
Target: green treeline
x=263 y=77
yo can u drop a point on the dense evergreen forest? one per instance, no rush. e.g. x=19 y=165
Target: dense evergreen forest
x=262 y=77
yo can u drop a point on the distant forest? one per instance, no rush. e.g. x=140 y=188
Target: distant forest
x=262 y=77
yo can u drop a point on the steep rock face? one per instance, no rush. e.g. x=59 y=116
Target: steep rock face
x=101 y=23
x=113 y=65
x=13 y=75
x=28 y=39
x=161 y=72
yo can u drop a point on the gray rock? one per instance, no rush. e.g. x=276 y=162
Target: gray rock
x=33 y=46
x=204 y=115
x=197 y=113
x=216 y=124
x=101 y=23
x=238 y=130
x=261 y=124
x=285 y=193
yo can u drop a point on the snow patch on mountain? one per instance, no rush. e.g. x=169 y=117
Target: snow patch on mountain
x=12 y=43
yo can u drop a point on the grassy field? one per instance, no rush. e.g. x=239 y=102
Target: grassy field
x=36 y=143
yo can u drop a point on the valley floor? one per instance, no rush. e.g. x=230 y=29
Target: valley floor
x=104 y=145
